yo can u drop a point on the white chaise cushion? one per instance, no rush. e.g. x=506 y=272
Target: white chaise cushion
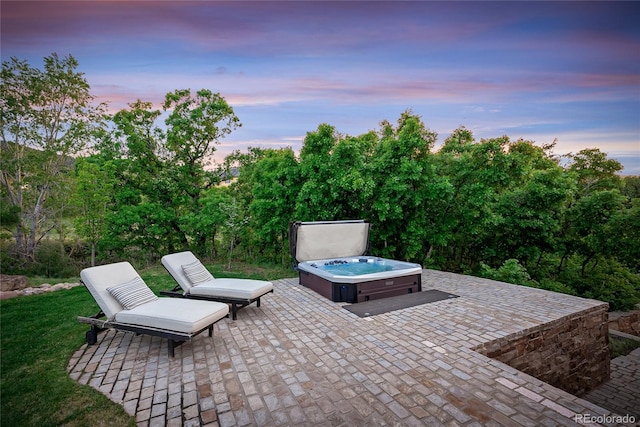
x=245 y=289
x=175 y=314
x=132 y=293
x=196 y=273
x=98 y=279
x=174 y=262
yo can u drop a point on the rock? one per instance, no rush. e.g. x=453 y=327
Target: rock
x=12 y=283
x=39 y=290
x=8 y=294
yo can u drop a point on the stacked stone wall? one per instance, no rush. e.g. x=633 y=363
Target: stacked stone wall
x=571 y=353
x=629 y=323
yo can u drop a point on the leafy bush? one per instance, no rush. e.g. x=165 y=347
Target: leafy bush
x=614 y=284
x=607 y=281
x=52 y=259
x=10 y=263
x=511 y=272
x=552 y=285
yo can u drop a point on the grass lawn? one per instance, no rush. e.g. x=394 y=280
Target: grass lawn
x=619 y=346
x=39 y=334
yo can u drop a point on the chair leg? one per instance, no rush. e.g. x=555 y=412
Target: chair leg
x=234 y=310
x=258 y=302
x=92 y=335
x=171 y=347
x=211 y=330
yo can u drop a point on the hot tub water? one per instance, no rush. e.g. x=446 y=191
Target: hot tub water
x=353 y=268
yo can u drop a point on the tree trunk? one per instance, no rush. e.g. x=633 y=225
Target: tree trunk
x=20 y=244
x=33 y=228
x=562 y=260
x=230 y=253
x=214 y=253
x=429 y=252
x=539 y=260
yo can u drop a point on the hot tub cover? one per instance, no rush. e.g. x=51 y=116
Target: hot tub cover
x=328 y=239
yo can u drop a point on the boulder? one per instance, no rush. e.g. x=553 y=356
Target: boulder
x=8 y=294
x=12 y=283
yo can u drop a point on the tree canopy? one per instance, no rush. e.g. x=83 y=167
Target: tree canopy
x=47 y=118
x=133 y=188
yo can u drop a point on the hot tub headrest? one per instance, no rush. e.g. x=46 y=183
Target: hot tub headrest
x=328 y=239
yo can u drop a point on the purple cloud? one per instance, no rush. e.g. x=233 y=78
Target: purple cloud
x=570 y=69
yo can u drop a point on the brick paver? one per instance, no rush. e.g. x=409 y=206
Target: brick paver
x=300 y=359
x=622 y=392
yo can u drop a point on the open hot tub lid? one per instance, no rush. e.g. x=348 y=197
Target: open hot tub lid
x=309 y=241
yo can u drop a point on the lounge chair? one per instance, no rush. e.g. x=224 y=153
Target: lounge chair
x=129 y=305
x=195 y=281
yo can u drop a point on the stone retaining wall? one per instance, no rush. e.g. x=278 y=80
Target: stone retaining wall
x=629 y=323
x=571 y=353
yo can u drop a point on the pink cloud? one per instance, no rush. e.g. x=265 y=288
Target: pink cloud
x=336 y=60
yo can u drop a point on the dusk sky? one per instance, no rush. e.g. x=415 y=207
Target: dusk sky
x=535 y=70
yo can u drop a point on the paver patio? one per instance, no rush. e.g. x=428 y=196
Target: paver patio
x=300 y=359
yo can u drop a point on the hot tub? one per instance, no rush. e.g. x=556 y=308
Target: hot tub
x=330 y=261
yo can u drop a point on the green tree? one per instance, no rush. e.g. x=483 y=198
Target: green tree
x=240 y=166
x=508 y=199
x=349 y=189
x=595 y=171
x=275 y=185
x=47 y=117
x=476 y=174
x=333 y=169
x=333 y=173
x=142 y=216
x=235 y=220
x=204 y=224
x=94 y=193
x=312 y=203
x=597 y=201
x=195 y=125
x=531 y=216
x=162 y=171
x=591 y=225
x=625 y=229
x=631 y=187
x=408 y=191
x=530 y=211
